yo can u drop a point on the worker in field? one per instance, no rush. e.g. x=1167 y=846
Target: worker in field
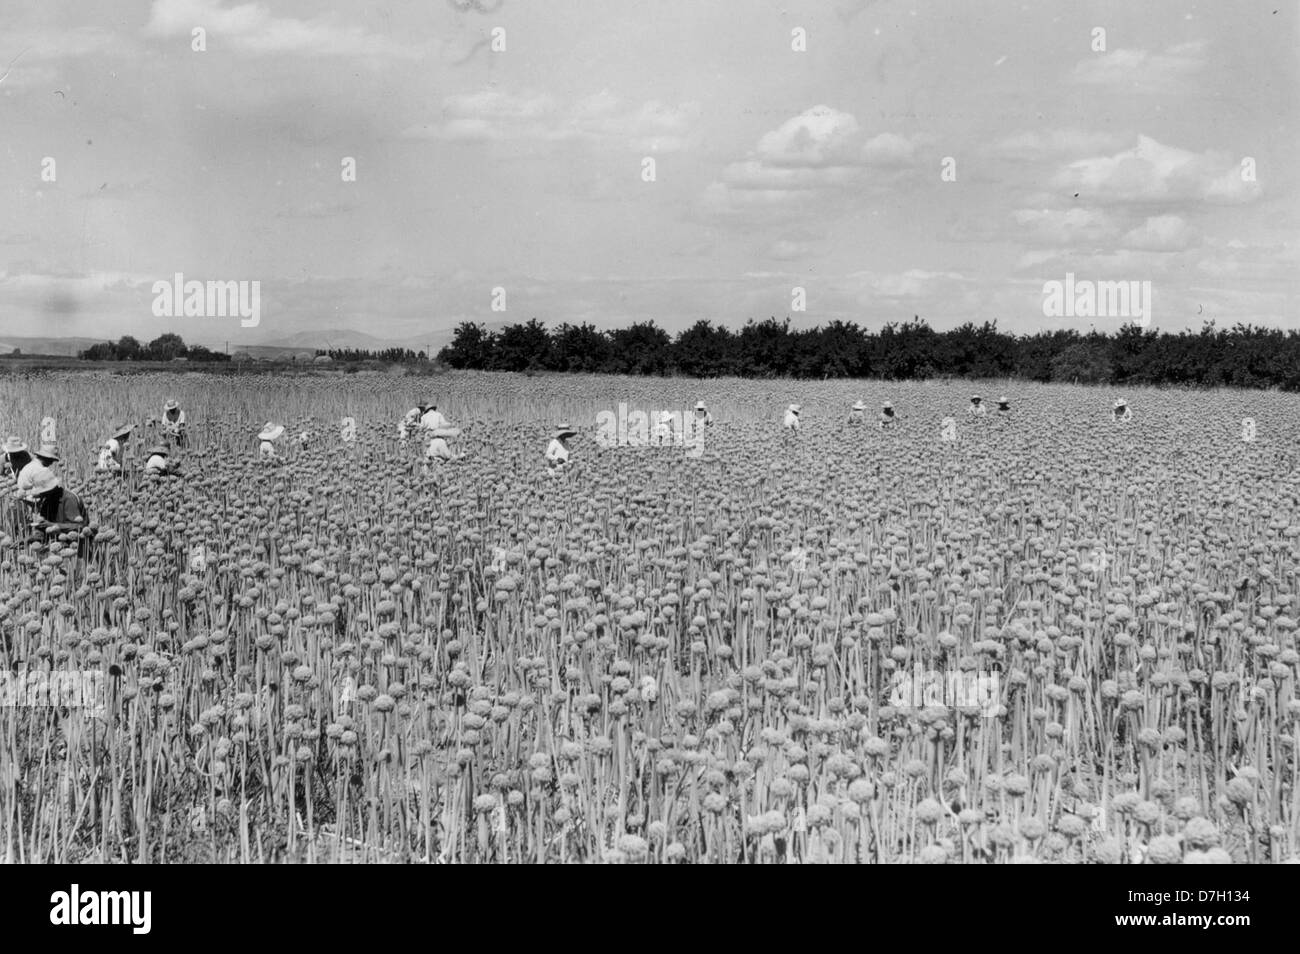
x=557 y=451
x=791 y=422
x=173 y=422
x=1004 y=405
x=55 y=509
x=160 y=462
x=702 y=415
x=111 y=455
x=858 y=413
x=665 y=427
x=28 y=472
x=977 y=408
x=887 y=416
x=439 y=450
x=1121 y=412
x=269 y=434
x=425 y=417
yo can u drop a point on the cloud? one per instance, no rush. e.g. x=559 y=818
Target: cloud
x=1142 y=71
x=1155 y=173
x=817 y=137
x=496 y=116
x=1160 y=233
x=251 y=29
x=809 y=156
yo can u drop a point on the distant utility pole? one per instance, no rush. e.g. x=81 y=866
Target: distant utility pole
x=227 y=346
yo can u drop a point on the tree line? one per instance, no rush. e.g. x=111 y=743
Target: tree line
x=1243 y=356
x=166 y=347
x=392 y=355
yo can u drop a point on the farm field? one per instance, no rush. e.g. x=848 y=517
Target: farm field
x=655 y=657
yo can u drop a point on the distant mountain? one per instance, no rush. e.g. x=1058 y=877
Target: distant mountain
x=61 y=346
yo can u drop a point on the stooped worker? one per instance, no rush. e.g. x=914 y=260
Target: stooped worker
x=269 y=434
x=977 y=408
x=1121 y=412
x=55 y=508
x=858 y=413
x=28 y=472
x=887 y=417
x=47 y=454
x=173 y=422
x=425 y=417
x=702 y=415
x=438 y=449
x=791 y=421
x=1003 y=405
x=110 y=454
x=160 y=463
x=557 y=451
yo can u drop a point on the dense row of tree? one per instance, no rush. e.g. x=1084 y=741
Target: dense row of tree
x=1244 y=356
x=166 y=347
x=393 y=355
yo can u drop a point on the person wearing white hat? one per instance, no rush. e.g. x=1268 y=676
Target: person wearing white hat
x=977 y=408
x=110 y=453
x=173 y=422
x=55 y=508
x=1122 y=411
x=887 y=417
x=29 y=473
x=424 y=416
x=159 y=463
x=268 y=436
x=557 y=451
x=702 y=415
x=1003 y=405
x=858 y=414
x=47 y=454
x=791 y=421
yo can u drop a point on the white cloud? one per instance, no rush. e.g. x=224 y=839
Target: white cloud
x=1155 y=173
x=817 y=137
x=250 y=28
x=1065 y=226
x=1030 y=145
x=1143 y=71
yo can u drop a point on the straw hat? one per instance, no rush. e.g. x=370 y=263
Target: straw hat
x=123 y=430
x=564 y=430
x=859 y=405
x=976 y=397
x=271 y=432
x=158 y=449
x=1003 y=399
x=795 y=408
x=887 y=406
x=1120 y=402
x=172 y=405
x=13 y=445
x=699 y=406
x=48 y=452
x=45 y=481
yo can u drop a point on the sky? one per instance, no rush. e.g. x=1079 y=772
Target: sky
x=890 y=158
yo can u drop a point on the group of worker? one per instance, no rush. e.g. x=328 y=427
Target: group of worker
x=976 y=408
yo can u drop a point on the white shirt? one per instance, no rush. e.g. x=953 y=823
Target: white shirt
x=108 y=456
x=267 y=451
x=886 y=420
x=792 y=420
x=556 y=452
x=156 y=464
x=1123 y=413
x=173 y=425
x=438 y=449
x=703 y=417
x=28 y=477
x=977 y=410
x=433 y=420
x=410 y=420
